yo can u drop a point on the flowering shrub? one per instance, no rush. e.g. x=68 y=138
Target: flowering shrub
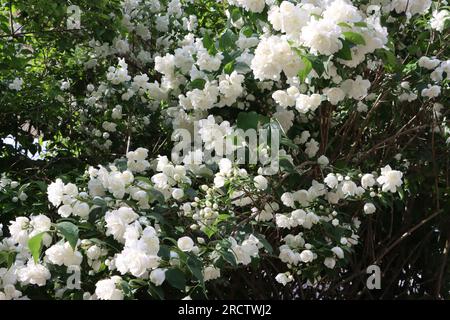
x=229 y=149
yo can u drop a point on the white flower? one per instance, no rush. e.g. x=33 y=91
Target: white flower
x=214 y=135
x=158 y=276
x=81 y=209
x=63 y=254
x=55 y=192
x=342 y=11
x=329 y=262
x=305 y=103
x=287 y=199
x=23 y=196
x=311 y=148
x=356 y=89
x=185 y=244
x=33 y=274
x=411 y=7
x=106 y=289
x=285 y=98
x=207 y=62
x=200 y=99
x=367 y=180
x=390 y=179
x=322 y=36
x=94 y=252
x=260 y=182
x=331 y=180
x=427 y=63
x=16 y=84
x=284 y=278
x=219 y=181
x=288 y=18
x=137 y=160
x=119 y=74
x=431 y=91
x=369 y=208
x=211 y=273
x=19 y=230
x=306 y=256
x=10 y=293
x=244 y=252
x=323 y=160
x=118 y=220
x=135 y=261
x=438 y=19
x=177 y=193
x=225 y=166
x=256 y=6
x=272 y=56
x=349 y=188
x=64 y=85
x=230 y=86
x=338 y=252
x=334 y=95
x=41 y=223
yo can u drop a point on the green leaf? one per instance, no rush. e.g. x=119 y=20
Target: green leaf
x=354 y=37
x=197 y=84
x=210 y=231
x=126 y=288
x=164 y=252
x=287 y=165
x=288 y=143
x=345 y=53
x=391 y=63
x=156 y=292
x=69 y=231
x=250 y=120
x=8 y=258
x=360 y=24
x=208 y=43
x=229 y=67
x=265 y=243
x=229 y=257
x=242 y=67
x=98 y=201
x=344 y=24
x=227 y=40
x=247 y=31
x=235 y=14
x=156 y=195
x=35 y=246
x=176 y=279
x=195 y=266
x=304 y=72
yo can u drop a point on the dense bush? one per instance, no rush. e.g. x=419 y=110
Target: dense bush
x=344 y=105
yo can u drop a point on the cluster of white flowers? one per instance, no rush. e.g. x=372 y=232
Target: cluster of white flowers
x=439 y=19
x=411 y=7
x=250 y=5
x=440 y=68
x=23 y=228
x=16 y=84
x=248 y=249
x=293 y=60
x=119 y=74
x=230 y=87
x=273 y=56
x=137 y=160
x=140 y=251
x=107 y=289
x=200 y=99
x=169 y=177
x=63 y=254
